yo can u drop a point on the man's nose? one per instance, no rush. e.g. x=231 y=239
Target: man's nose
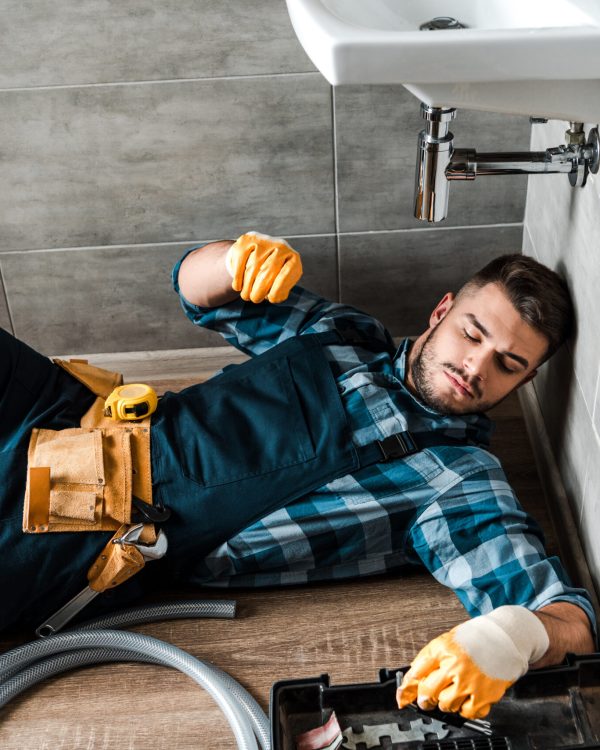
x=476 y=363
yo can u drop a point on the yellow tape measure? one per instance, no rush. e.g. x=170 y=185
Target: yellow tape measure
x=132 y=402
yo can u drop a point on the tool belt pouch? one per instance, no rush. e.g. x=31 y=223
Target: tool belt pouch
x=100 y=381
x=78 y=479
x=83 y=478
x=115 y=565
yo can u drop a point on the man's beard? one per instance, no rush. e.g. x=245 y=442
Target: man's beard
x=423 y=368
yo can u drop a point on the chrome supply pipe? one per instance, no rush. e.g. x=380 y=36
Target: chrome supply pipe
x=439 y=163
x=466 y=164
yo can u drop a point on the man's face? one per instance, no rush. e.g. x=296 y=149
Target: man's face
x=476 y=351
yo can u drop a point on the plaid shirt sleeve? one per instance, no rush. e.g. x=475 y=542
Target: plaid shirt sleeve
x=254 y=328
x=476 y=539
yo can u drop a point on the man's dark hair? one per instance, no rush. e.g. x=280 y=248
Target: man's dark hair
x=540 y=295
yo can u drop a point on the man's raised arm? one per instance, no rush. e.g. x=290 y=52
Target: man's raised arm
x=255 y=267
x=203 y=276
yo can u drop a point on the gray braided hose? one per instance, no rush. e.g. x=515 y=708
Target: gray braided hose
x=26 y=665
x=124 y=618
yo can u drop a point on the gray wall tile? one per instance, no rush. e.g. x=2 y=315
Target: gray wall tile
x=4 y=314
x=147 y=163
x=376 y=137
x=71 y=42
x=120 y=298
x=400 y=277
x=564 y=223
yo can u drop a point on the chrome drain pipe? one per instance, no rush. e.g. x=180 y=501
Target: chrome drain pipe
x=434 y=153
x=439 y=163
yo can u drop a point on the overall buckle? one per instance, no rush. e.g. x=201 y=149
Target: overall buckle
x=399 y=445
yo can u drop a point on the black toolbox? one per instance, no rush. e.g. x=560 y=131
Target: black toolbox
x=557 y=708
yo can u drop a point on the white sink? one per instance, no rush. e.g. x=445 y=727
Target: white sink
x=517 y=56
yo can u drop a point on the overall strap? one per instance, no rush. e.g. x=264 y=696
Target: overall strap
x=402 y=444
x=352 y=338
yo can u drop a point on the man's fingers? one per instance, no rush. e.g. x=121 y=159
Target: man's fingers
x=254 y=264
x=424 y=664
x=430 y=688
x=288 y=276
x=407 y=693
x=263 y=266
x=451 y=699
x=238 y=259
x=474 y=709
x=269 y=270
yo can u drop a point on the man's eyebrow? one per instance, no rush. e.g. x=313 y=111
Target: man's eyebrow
x=486 y=333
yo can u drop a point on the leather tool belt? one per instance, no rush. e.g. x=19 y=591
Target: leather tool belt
x=85 y=478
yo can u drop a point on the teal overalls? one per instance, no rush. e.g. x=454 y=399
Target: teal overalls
x=224 y=454
x=37 y=572
x=254 y=438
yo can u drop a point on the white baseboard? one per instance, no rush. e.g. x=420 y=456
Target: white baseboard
x=571 y=551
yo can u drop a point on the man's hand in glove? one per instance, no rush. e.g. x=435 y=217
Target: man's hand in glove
x=469 y=668
x=263 y=267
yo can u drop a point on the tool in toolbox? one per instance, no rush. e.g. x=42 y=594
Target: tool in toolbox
x=131 y=402
x=371 y=735
x=556 y=708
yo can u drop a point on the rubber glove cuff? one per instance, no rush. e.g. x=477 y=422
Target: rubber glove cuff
x=519 y=636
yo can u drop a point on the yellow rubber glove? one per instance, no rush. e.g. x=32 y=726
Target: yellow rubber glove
x=469 y=668
x=263 y=267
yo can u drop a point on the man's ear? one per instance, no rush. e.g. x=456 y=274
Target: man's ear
x=442 y=308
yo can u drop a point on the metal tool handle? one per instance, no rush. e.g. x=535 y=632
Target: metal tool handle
x=66 y=613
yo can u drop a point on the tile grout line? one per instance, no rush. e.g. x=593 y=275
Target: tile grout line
x=584 y=491
x=9 y=311
x=581 y=391
x=190 y=243
x=595 y=408
x=106 y=84
x=336 y=204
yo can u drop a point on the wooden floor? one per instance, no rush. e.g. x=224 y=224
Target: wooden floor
x=348 y=630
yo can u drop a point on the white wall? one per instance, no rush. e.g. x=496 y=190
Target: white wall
x=562 y=230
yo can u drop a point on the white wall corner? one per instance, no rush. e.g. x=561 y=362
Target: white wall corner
x=561 y=513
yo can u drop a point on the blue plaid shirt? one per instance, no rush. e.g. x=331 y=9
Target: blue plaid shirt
x=449 y=508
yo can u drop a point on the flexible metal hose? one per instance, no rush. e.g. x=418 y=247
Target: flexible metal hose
x=28 y=664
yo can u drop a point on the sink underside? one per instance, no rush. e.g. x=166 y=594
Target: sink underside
x=515 y=56
x=404 y=15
